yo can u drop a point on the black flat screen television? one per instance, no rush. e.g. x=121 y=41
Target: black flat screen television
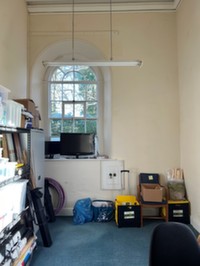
x=52 y=148
x=77 y=144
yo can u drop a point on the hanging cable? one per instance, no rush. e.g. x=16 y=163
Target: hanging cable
x=98 y=63
x=111 y=37
x=73 y=57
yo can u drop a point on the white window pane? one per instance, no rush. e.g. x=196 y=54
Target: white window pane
x=69 y=76
x=55 y=127
x=91 y=92
x=91 y=110
x=57 y=75
x=80 y=94
x=79 y=110
x=56 y=109
x=91 y=126
x=79 y=126
x=68 y=92
x=56 y=92
x=68 y=110
x=68 y=125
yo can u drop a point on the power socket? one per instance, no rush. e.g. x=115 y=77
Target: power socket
x=111 y=174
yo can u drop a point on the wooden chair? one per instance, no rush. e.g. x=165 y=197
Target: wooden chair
x=162 y=206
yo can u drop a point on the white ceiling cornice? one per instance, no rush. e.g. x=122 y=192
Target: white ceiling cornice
x=36 y=7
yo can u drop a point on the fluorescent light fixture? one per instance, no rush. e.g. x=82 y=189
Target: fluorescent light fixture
x=111 y=63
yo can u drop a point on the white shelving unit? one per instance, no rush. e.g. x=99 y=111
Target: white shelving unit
x=17 y=236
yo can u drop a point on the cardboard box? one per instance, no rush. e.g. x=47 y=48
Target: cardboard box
x=28 y=104
x=23 y=121
x=152 y=192
x=36 y=120
x=31 y=108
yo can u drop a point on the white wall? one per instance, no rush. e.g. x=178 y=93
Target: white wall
x=13 y=47
x=145 y=101
x=81 y=178
x=188 y=25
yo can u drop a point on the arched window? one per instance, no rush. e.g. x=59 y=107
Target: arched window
x=73 y=100
x=40 y=84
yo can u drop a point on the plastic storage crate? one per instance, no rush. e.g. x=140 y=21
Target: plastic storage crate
x=103 y=210
x=179 y=211
x=127 y=211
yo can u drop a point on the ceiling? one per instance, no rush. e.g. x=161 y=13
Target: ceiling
x=60 y=6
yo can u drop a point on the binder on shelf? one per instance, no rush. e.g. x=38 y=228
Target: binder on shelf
x=11 y=148
x=18 y=148
x=4 y=146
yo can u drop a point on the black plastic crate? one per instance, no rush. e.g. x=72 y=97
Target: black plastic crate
x=127 y=211
x=129 y=216
x=179 y=211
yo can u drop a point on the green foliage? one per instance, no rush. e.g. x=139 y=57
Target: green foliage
x=73 y=100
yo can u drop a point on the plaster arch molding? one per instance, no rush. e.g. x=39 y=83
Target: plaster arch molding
x=62 y=51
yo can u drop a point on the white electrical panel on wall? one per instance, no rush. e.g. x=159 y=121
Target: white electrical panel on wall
x=111 y=177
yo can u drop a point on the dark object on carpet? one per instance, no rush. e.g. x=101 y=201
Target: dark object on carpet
x=174 y=244
x=48 y=202
x=36 y=195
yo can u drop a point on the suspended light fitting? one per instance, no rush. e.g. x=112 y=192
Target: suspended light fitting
x=111 y=62
x=95 y=63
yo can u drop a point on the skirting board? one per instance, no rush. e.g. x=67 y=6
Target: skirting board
x=195 y=224
x=69 y=212
x=66 y=212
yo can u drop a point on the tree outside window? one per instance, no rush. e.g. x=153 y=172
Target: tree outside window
x=73 y=105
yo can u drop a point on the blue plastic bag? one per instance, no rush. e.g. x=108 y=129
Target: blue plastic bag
x=83 y=211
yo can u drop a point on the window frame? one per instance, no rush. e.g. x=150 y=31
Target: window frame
x=85 y=102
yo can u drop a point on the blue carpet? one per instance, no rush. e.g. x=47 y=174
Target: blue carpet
x=94 y=244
